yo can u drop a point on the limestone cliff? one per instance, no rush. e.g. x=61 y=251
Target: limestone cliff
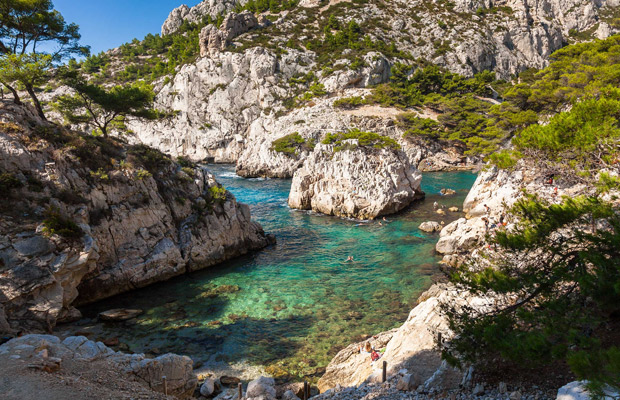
x=240 y=96
x=83 y=218
x=355 y=182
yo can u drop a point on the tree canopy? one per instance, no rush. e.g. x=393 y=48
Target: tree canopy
x=25 y=25
x=101 y=107
x=555 y=281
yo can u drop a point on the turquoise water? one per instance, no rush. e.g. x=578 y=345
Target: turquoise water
x=291 y=307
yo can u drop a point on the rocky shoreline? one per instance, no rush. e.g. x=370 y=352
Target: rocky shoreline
x=70 y=236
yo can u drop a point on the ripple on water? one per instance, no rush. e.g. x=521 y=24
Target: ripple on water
x=288 y=309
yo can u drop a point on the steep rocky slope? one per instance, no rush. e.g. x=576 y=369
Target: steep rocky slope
x=234 y=103
x=85 y=218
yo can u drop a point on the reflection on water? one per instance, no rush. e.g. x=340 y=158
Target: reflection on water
x=291 y=307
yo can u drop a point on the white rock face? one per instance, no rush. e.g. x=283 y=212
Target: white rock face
x=430 y=226
x=217 y=100
x=197 y=13
x=497 y=190
x=577 y=391
x=360 y=183
x=177 y=369
x=410 y=347
x=261 y=388
x=214 y=39
x=134 y=231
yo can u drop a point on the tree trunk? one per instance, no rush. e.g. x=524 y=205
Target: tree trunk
x=16 y=98
x=36 y=102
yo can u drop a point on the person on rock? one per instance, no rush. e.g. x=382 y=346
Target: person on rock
x=368 y=349
x=435 y=205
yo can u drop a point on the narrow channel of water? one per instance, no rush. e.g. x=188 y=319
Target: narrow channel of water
x=288 y=309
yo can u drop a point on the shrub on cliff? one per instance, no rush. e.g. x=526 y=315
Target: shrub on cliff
x=555 y=285
x=292 y=144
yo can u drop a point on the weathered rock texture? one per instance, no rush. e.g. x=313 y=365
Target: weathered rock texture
x=196 y=14
x=410 y=347
x=42 y=350
x=497 y=190
x=360 y=182
x=213 y=39
x=130 y=227
x=233 y=105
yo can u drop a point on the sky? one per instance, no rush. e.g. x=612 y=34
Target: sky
x=105 y=24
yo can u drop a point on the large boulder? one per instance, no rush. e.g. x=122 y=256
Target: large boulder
x=39 y=349
x=430 y=226
x=355 y=182
x=261 y=388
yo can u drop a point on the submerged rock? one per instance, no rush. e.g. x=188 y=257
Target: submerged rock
x=355 y=182
x=119 y=314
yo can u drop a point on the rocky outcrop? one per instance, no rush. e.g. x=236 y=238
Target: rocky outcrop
x=217 y=99
x=41 y=350
x=230 y=105
x=214 y=39
x=88 y=218
x=492 y=194
x=430 y=226
x=196 y=14
x=410 y=347
x=355 y=182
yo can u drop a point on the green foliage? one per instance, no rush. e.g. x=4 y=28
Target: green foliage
x=261 y=6
x=100 y=174
x=292 y=144
x=559 y=278
x=218 y=194
x=9 y=181
x=587 y=135
x=142 y=174
x=607 y=182
x=338 y=37
x=29 y=70
x=349 y=103
x=55 y=224
x=576 y=71
x=416 y=126
x=151 y=159
x=365 y=139
x=102 y=108
x=505 y=159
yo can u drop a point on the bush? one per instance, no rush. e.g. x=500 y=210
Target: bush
x=56 y=224
x=151 y=159
x=9 y=181
x=587 y=134
x=505 y=159
x=349 y=103
x=218 y=194
x=292 y=144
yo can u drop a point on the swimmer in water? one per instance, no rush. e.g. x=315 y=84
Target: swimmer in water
x=350 y=259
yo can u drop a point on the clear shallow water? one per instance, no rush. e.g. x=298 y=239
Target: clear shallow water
x=291 y=307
